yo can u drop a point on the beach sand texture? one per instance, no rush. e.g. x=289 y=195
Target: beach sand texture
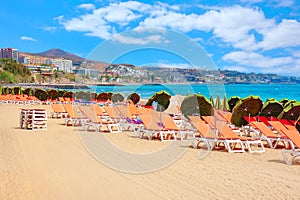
x=54 y=164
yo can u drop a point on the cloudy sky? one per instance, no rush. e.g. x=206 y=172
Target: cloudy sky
x=244 y=35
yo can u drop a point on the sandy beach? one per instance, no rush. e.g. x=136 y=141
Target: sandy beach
x=54 y=164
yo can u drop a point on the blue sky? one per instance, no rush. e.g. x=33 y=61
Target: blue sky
x=245 y=35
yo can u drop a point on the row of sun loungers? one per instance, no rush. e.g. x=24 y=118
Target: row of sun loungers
x=213 y=132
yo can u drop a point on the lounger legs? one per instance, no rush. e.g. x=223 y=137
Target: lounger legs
x=290 y=155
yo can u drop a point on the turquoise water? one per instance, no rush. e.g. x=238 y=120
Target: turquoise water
x=265 y=91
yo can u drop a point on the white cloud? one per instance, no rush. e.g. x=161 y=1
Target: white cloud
x=285 y=34
x=28 y=38
x=257 y=60
x=87 y=6
x=246 y=30
x=139 y=40
x=49 y=28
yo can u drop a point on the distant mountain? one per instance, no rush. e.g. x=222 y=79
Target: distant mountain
x=58 y=53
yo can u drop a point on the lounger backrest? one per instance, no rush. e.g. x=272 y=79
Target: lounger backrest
x=72 y=111
x=294 y=136
x=168 y=122
x=264 y=129
x=203 y=129
x=279 y=127
x=97 y=109
x=90 y=113
x=225 y=131
x=149 y=124
x=263 y=119
x=58 y=108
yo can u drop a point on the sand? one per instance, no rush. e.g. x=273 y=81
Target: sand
x=56 y=164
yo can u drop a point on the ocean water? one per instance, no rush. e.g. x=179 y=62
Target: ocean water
x=264 y=91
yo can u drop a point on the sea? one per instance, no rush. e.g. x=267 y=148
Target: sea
x=264 y=91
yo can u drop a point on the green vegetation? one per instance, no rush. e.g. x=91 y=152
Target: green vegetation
x=12 y=72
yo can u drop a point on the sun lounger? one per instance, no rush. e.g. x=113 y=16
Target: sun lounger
x=58 y=111
x=226 y=132
x=98 y=123
x=74 y=118
x=266 y=134
x=289 y=155
x=155 y=127
x=214 y=137
x=263 y=119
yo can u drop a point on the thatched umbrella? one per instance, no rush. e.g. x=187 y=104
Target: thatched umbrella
x=249 y=106
x=93 y=95
x=69 y=94
x=41 y=94
x=117 y=97
x=197 y=105
x=283 y=101
x=61 y=93
x=86 y=95
x=162 y=99
x=232 y=101
x=291 y=112
x=103 y=96
x=134 y=97
x=53 y=94
x=17 y=90
x=271 y=108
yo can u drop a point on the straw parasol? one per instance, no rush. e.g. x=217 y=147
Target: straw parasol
x=103 y=96
x=53 y=94
x=271 y=108
x=41 y=94
x=86 y=95
x=69 y=95
x=117 y=97
x=291 y=112
x=197 y=105
x=249 y=106
x=162 y=99
x=232 y=101
x=134 y=97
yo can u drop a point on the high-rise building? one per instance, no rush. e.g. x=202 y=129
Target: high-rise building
x=10 y=53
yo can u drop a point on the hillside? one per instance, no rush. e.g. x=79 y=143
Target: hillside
x=59 y=53
x=54 y=53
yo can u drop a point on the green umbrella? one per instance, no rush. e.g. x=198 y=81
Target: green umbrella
x=289 y=103
x=53 y=94
x=162 y=99
x=249 y=106
x=134 y=97
x=41 y=94
x=1 y=89
x=69 y=94
x=232 y=101
x=298 y=124
x=61 y=93
x=291 y=112
x=103 y=96
x=197 y=105
x=117 y=97
x=12 y=91
x=283 y=101
x=271 y=108
x=83 y=95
